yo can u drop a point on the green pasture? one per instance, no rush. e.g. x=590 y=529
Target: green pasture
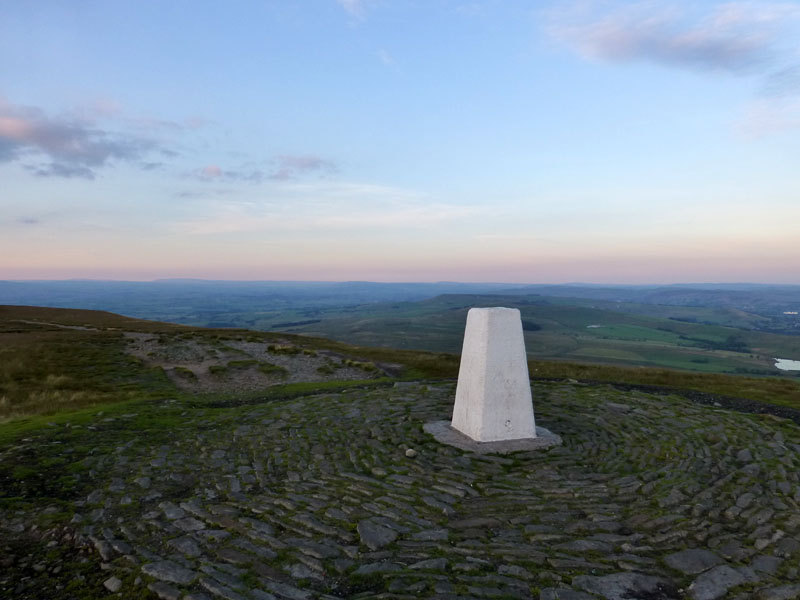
x=581 y=332
x=632 y=332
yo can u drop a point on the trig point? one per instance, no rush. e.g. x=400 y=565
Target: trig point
x=493 y=396
x=494 y=409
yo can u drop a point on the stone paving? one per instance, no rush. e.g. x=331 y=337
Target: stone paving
x=648 y=498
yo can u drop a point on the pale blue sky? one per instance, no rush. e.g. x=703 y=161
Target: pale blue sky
x=400 y=140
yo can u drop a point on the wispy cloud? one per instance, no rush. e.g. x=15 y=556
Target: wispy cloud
x=754 y=39
x=293 y=166
x=204 y=193
x=409 y=215
x=65 y=146
x=355 y=8
x=783 y=82
x=215 y=173
x=777 y=107
x=768 y=116
x=322 y=208
x=61 y=169
x=281 y=168
x=737 y=37
x=107 y=109
x=386 y=58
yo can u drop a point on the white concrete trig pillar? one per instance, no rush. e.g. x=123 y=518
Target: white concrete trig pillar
x=493 y=396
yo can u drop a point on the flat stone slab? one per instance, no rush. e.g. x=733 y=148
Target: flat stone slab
x=374 y=535
x=715 y=583
x=693 y=561
x=444 y=433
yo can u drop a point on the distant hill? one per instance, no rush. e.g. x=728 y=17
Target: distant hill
x=199 y=302
x=307 y=306
x=722 y=340
x=765 y=300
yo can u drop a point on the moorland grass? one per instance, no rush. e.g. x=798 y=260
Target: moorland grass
x=769 y=390
x=45 y=372
x=46 y=369
x=61 y=360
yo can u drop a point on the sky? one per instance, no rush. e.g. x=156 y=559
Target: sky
x=401 y=140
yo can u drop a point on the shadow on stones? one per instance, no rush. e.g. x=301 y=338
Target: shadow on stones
x=372 y=583
x=663 y=592
x=32 y=570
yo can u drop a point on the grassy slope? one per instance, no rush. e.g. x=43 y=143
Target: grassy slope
x=777 y=391
x=46 y=368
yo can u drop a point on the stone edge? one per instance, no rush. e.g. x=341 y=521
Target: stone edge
x=445 y=434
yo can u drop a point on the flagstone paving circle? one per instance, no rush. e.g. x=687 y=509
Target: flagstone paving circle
x=318 y=497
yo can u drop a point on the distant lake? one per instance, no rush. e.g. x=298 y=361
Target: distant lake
x=784 y=364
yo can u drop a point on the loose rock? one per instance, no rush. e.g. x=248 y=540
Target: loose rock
x=113 y=584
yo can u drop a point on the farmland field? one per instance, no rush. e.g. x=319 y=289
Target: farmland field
x=560 y=331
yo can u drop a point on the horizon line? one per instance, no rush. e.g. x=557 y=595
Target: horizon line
x=441 y=282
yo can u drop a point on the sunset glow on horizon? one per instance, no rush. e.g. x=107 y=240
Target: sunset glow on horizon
x=596 y=142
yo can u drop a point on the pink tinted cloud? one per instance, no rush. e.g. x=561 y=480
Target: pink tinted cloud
x=71 y=147
x=15 y=128
x=211 y=171
x=217 y=173
x=292 y=166
x=196 y=122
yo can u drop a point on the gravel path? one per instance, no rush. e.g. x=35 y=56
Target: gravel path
x=648 y=498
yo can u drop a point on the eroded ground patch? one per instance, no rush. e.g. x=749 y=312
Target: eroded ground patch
x=203 y=364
